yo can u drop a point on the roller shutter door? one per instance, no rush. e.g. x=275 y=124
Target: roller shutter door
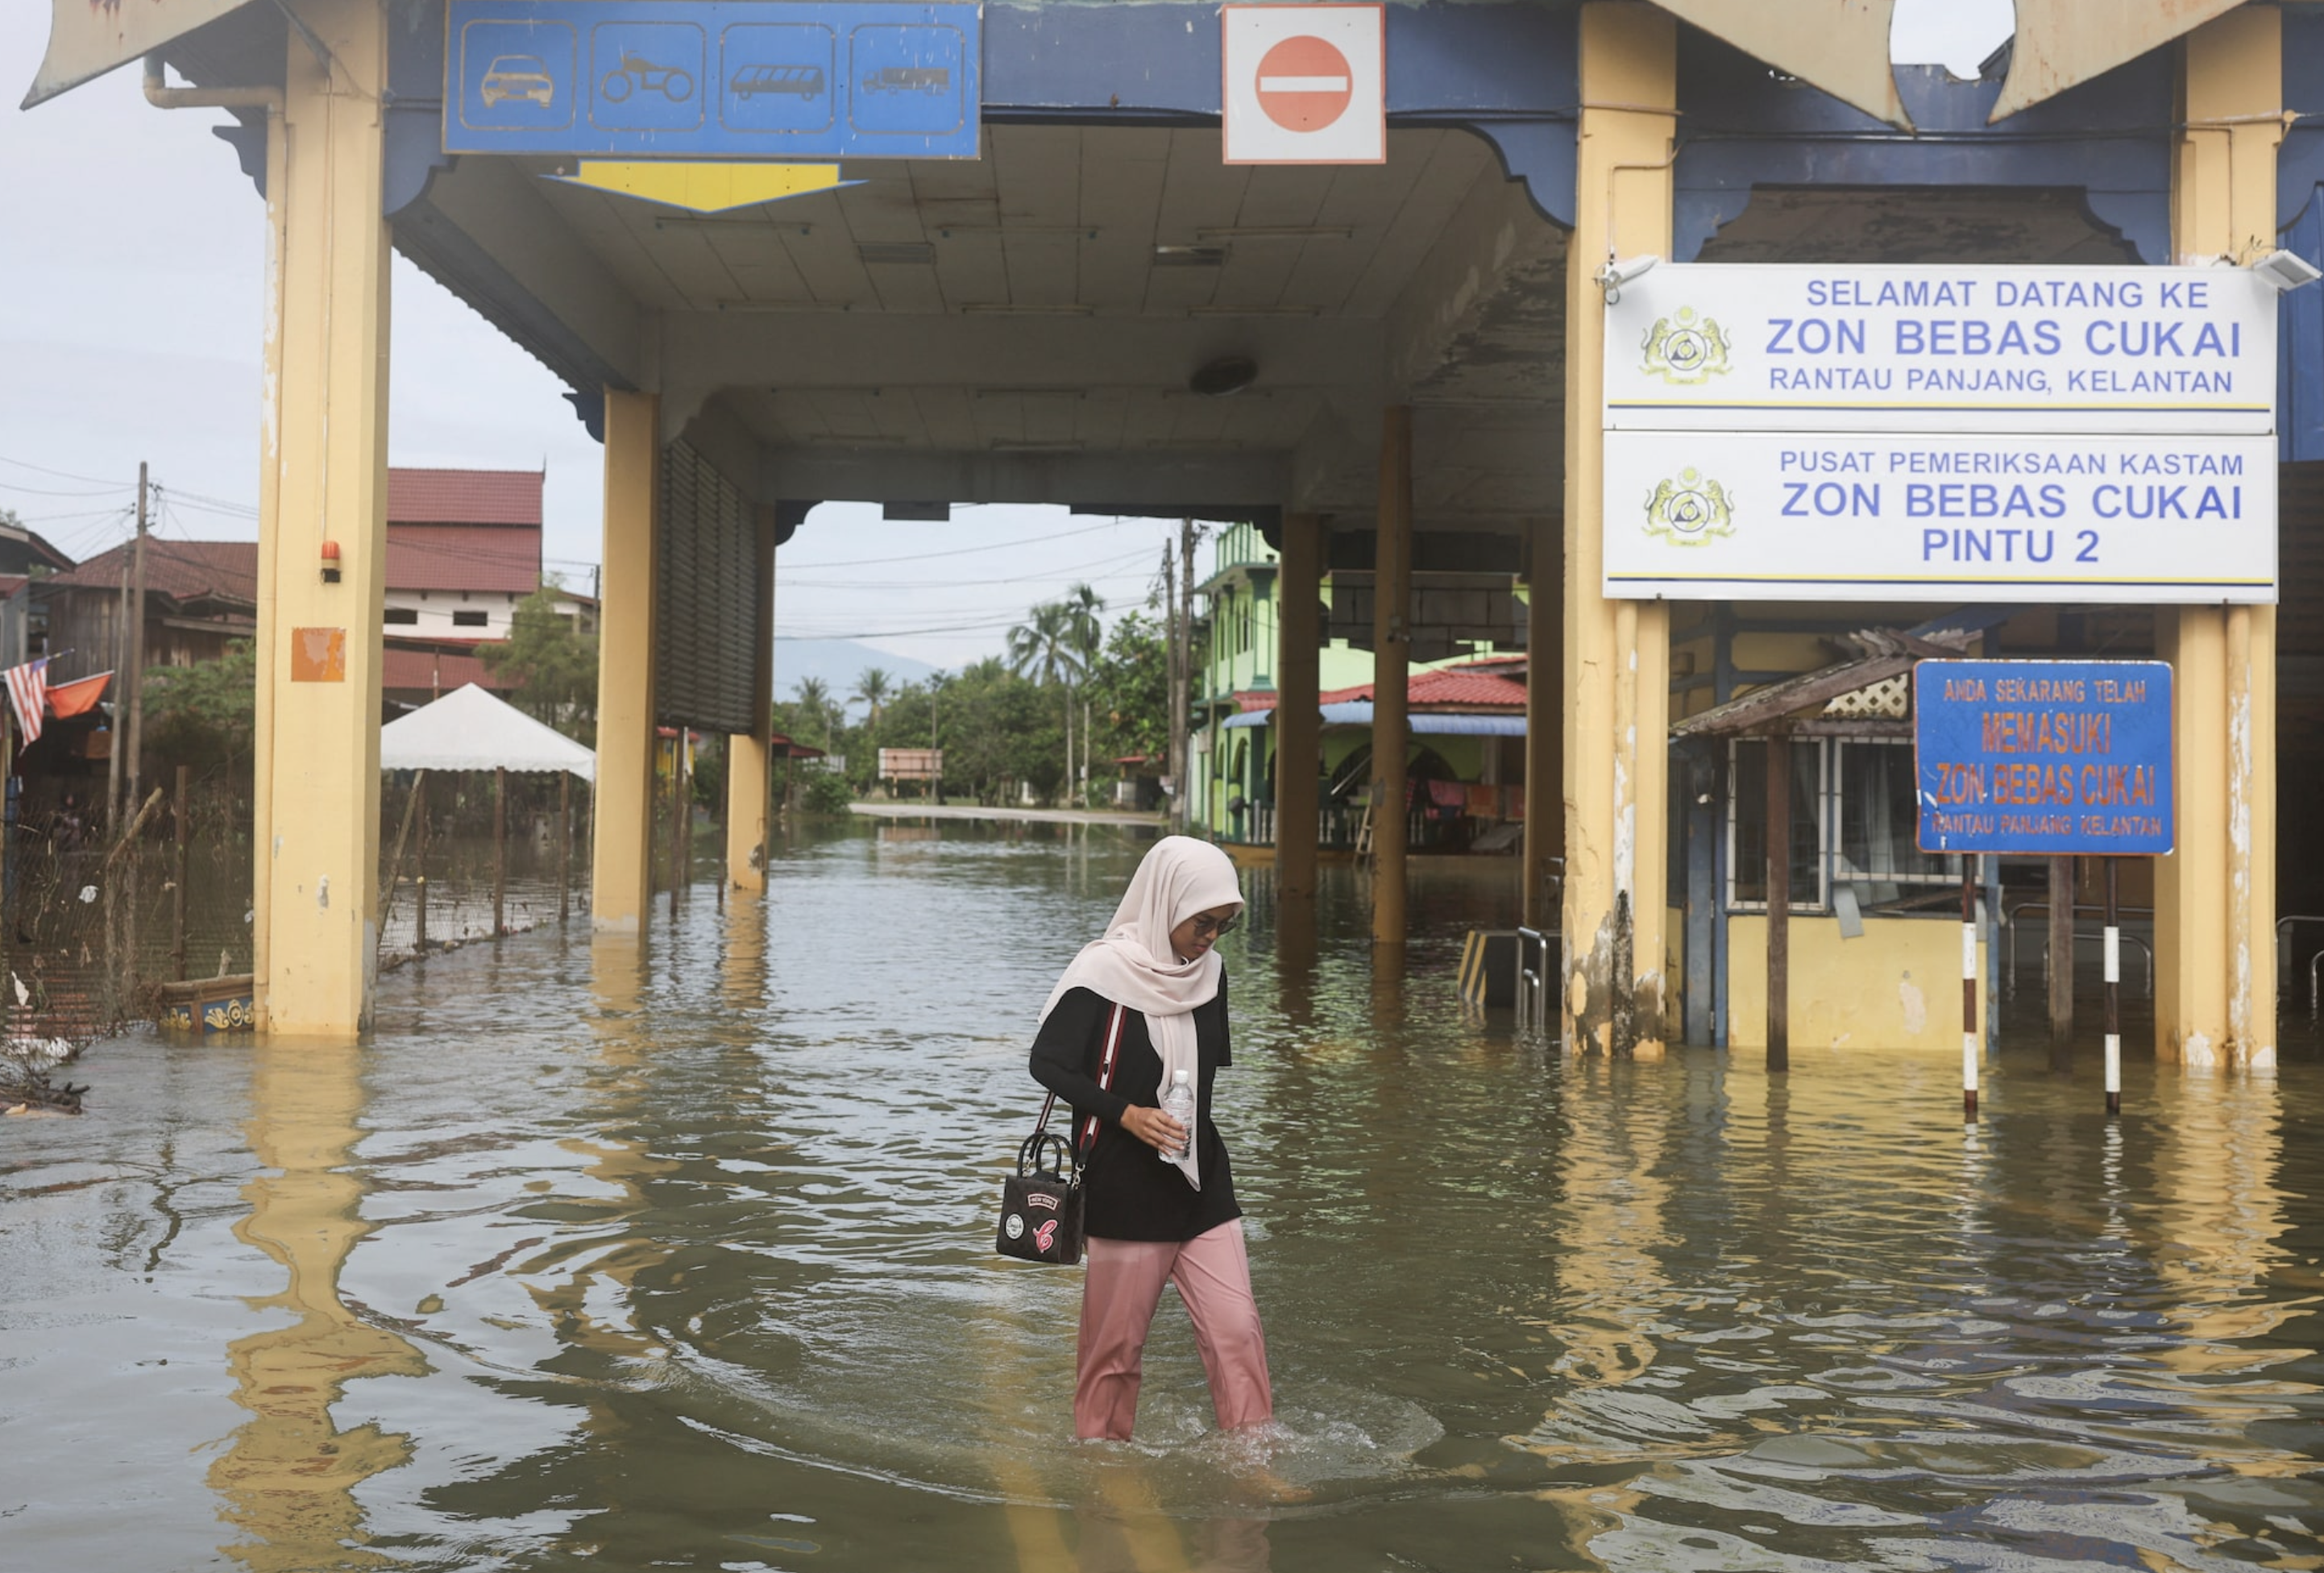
x=708 y=641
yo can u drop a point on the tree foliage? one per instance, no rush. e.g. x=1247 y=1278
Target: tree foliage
x=1130 y=689
x=203 y=716
x=552 y=666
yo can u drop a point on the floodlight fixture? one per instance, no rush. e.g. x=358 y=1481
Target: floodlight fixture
x=2280 y=271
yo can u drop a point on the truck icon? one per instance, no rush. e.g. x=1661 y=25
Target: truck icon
x=636 y=73
x=928 y=79
x=800 y=81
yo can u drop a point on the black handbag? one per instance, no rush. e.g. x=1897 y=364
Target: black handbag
x=1041 y=1202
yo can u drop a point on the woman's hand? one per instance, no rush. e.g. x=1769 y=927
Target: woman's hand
x=1154 y=1128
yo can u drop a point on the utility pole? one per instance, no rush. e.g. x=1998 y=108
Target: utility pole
x=1172 y=750
x=136 y=673
x=1187 y=664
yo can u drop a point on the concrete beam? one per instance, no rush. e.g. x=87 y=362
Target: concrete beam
x=1162 y=480
x=711 y=350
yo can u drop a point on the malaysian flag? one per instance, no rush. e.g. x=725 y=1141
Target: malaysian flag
x=28 y=694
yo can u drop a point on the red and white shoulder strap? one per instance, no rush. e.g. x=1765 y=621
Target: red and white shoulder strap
x=1104 y=1074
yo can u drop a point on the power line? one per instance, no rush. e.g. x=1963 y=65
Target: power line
x=962 y=551
x=1112 y=561
x=66 y=474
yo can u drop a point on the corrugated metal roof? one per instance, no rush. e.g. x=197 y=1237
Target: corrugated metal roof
x=489 y=560
x=489 y=497
x=182 y=570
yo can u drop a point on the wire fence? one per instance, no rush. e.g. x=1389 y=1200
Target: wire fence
x=95 y=921
x=463 y=857
x=99 y=926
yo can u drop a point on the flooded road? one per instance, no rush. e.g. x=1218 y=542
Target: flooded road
x=680 y=1257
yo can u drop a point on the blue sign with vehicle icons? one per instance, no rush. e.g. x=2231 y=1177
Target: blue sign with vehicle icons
x=759 y=79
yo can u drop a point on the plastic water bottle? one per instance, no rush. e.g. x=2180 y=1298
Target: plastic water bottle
x=1178 y=1103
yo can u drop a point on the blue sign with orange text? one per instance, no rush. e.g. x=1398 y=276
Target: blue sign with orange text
x=755 y=80
x=2043 y=759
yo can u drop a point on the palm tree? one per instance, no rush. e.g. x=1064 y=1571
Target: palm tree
x=872 y=688
x=1086 y=635
x=1041 y=647
x=815 y=698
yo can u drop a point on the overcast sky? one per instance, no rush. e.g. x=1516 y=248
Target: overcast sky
x=131 y=259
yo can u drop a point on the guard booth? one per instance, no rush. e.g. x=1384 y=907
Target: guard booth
x=1107 y=256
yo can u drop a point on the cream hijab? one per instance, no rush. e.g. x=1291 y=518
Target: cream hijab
x=1133 y=964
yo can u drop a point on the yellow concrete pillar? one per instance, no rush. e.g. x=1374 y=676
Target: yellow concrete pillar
x=622 y=870
x=1617 y=654
x=323 y=533
x=1298 y=722
x=2215 y=895
x=748 y=809
x=1544 y=782
x=1391 y=671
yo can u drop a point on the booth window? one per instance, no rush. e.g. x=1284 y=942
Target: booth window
x=1879 y=851
x=1746 y=825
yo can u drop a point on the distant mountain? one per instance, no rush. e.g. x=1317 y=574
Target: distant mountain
x=839 y=663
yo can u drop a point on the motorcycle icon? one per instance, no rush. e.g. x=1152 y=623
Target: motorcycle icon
x=636 y=73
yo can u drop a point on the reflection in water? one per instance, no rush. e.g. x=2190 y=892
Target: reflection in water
x=289 y=1473
x=680 y=1249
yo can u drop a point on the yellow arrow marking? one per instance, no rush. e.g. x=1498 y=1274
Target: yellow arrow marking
x=705 y=188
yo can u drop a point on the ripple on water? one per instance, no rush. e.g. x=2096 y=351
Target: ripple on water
x=686 y=1259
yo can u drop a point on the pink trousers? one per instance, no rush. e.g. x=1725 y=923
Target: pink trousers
x=1119 y=1297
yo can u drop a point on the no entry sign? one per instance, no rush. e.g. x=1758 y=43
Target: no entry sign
x=1305 y=84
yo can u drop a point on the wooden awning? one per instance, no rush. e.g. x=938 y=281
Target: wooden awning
x=1802 y=705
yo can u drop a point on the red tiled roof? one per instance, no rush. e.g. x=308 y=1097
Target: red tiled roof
x=488 y=497
x=1446 y=689
x=435 y=672
x=461 y=556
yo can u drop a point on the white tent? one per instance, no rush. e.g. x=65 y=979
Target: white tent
x=469 y=729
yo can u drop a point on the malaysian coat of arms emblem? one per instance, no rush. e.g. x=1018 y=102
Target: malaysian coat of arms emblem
x=1690 y=510
x=1684 y=351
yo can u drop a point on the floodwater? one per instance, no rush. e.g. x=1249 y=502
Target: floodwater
x=680 y=1258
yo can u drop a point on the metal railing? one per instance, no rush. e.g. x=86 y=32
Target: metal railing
x=1532 y=978
x=2283 y=927
x=2009 y=916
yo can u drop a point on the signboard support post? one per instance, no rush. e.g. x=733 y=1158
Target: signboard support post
x=2113 y=987
x=1971 y=1044
x=2062 y=963
x=1779 y=901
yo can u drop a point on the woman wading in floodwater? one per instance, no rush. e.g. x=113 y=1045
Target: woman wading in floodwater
x=1157 y=1207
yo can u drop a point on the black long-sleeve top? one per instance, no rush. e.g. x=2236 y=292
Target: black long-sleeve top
x=1131 y=1194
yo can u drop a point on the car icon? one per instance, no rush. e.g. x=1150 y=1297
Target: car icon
x=517 y=77
x=801 y=81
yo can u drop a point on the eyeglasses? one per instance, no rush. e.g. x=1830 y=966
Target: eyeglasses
x=1207 y=927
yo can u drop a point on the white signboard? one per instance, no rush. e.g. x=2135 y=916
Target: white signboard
x=2061 y=349
x=1305 y=84
x=1783 y=516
